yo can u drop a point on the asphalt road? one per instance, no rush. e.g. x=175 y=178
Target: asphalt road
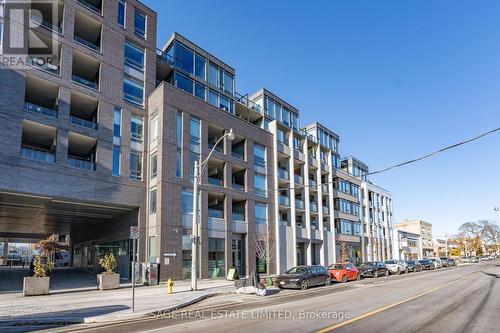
x=460 y=299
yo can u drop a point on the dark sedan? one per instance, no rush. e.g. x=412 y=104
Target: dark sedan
x=373 y=269
x=452 y=262
x=414 y=266
x=445 y=261
x=303 y=277
x=427 y=264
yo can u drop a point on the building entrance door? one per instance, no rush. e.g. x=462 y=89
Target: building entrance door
x=237 y=254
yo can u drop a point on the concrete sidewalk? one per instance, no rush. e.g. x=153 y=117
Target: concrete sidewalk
x=70 y=306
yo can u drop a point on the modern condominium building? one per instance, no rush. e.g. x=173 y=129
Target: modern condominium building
x=377 y=218
x=105 y=137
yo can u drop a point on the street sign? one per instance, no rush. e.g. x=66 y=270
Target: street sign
x=170 y=254
x=134 y=232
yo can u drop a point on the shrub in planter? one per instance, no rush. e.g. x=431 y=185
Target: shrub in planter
x=109 y=279
x=39 y=283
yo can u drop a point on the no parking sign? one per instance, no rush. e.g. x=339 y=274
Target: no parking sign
x=134 y=232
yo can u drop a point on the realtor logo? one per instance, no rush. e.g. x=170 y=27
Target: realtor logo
x=29 y=34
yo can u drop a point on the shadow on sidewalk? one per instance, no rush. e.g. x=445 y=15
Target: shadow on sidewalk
x=57 y=318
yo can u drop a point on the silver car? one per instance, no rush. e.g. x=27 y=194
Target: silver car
x=396 y=266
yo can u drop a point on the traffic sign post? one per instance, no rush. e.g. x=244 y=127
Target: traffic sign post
x=134 y=235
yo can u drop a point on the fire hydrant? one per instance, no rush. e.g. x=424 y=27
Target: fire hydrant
x=170 y=286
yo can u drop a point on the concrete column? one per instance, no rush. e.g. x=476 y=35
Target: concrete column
x=307 y=205
x=228 y=212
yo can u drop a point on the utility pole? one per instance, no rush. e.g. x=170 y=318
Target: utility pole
x=195 y=236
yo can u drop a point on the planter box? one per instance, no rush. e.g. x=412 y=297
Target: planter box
x=108 y=281
x=35 y=286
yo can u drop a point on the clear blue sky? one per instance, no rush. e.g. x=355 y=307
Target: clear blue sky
x=395 y=79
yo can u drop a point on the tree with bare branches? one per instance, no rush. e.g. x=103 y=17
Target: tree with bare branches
x=343 y=251
x=264 y=249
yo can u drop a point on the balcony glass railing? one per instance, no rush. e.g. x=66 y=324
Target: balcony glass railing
x=283 y=174
x=79 y=163
x=164 y=56
x=238 y=155
x=313 y=206
x=217 y=148
x=284 y=201
x=43 y=65
x=39 y=21
x=215 y=213
x=326 y=210
x=324 y=188
x=82 y=122
x=215 y=181
x=299 y=179
x=87 y=44
x=299 y=204
x=237 y=186
x=30 y=107
x=85 y=82
x=240 y=217
x=260 y=161
x=312 y=184
x=89 y=6
x=38 y=155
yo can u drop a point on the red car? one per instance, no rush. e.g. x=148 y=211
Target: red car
x=344 y=272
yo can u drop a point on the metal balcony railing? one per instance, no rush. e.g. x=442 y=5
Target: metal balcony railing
x=284 y=200
x=39 y=21
x=283 y=174
x=240 y=217
x=89 y=6
x=215 y=181
x=136 y=174
x=237 y=186
x=82 y=122
x=38 y=155
x=85 y=82
x=79 y=163
x=215 y=213
x=30 y=107
x=87 y=44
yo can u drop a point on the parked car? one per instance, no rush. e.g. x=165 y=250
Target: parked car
x=452 y=262
x=437 y=262
x=474 y=260
x=413 y=266
x=396 y=266
x=62 y=259
x=444 y=261
x=373 y=269
x=344 y=272
x=303 y=277
x=427 y=264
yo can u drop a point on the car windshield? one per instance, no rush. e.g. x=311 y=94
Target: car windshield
x=335 y=266
x=368 y=264
x=297 y=270
x=410 y=262
x=391 y=262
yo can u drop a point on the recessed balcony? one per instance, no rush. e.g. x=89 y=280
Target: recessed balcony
x=38 y=142
x=215 y=171
x=92 y=5
x=81 y=151
x=48 y=17
x=238 y=177
x=214 y=134
x=238 y=148
x=41 y=97
x=284 y=200
x=86 y=70
x=87 y=32
x=83 y=110
x=49 y=63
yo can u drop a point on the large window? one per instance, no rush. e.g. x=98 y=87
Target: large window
x=195 y=134
x=152 y=201
x=153 y=134
x=136 y=165
x=116 y=160
x=178 y=164
x=345 y=227
x=140 y=23
x=117 y=121
x=184 y=83
x=213 y=75
x=213 y=98
x=200 y=91
x=184 y=58
x=136 y=128
x=200 y=67
x=187 y=202
x=260 y=213
x=228 y=83
x=134 y=56
x=260 y=155
x=224 y=103
x=216 y=254
x=154 y=166
x=133 y=91
x=260 y=184
x=121 y=13
x=357 y=229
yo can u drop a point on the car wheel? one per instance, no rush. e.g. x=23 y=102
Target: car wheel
x=304 y=284
x=375 y=275
x=344 y=279
x=328 y=281
x=398 y=271
x=406 y=271
x=387 y=273
x=358 y=277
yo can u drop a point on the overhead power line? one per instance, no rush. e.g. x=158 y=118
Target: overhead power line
x=436 y=152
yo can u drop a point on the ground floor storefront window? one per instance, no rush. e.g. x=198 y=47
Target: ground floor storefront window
x=216 y=254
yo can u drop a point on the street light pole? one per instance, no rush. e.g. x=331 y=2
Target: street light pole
x=195 y=238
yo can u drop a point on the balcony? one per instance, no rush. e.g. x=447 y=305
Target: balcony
x=92 y=5
x=238 y=148
x=41 y=97
x=215 y=213
x=325 y=188
x=284 y=201
x=299 y=204
x=41 y=14
x=215 y=181
x=238 y=217
x=87 y=32
x=326 y=210
x=83 y=110
x=215 y=172
x=49 y=63
x=313 y=207
x=312 y=184
x=238 y=177
x=283 y=174
x=38 y=142
x=214 y=134
x=81 y=151
x=86 y=70
x=299 y=179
